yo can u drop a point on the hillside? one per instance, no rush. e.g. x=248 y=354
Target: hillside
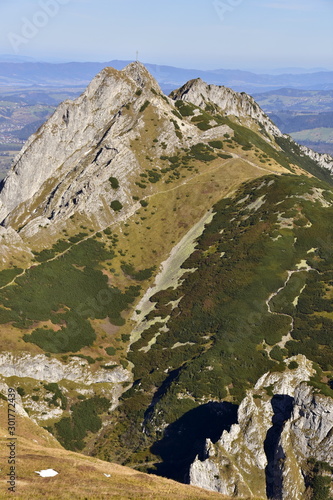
x=93 y=478
x=159 y=256
x=296 y=100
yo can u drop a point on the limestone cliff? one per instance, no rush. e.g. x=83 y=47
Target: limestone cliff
x=65 y=167
x=324 y=160
x=241 y=105
x=230 y=102
x=282 y=423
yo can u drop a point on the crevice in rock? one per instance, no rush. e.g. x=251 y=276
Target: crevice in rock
x=97 y=155
x=282 y=407
x=65 y=117
x=112 y=122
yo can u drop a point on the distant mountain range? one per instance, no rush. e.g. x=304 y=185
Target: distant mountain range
x=80 y=74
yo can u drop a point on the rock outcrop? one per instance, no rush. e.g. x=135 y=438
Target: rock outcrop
x=66 y=164
x=282 y=423
x=65 y=167
x=241 y=105
x=230 y=102
x=42 y=368
x=77 y=374
x=324 y=160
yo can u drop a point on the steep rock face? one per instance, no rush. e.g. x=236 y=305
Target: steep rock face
x=76 y=374
x=230 y=102
x=282 y=423
x=66 y=164
x=65 y=167
x=324 y=160
x=241 y=105
x=41 y=368
x=72 y=127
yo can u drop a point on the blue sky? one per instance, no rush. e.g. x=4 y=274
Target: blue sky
x=205 y=34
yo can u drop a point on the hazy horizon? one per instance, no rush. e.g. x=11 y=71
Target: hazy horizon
x=251 y=35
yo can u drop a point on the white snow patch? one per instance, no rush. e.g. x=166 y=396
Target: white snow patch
x=47 y=473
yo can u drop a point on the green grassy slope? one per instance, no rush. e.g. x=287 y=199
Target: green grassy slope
x=261 y=292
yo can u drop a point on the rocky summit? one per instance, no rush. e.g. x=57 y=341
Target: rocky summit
x=166 y=285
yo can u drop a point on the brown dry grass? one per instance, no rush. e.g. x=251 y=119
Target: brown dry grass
x=79 y=476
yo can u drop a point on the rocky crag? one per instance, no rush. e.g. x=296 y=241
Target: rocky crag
x=284 y=424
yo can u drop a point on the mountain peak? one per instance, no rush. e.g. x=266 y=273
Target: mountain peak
x=139 y=73
x=228 y=101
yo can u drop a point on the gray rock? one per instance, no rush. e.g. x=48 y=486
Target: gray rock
x=43 y=368
x=266 y=453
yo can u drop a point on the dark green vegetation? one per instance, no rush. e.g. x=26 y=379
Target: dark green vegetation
x=185 y=109
x=144 y=106
x=114 y=182
x=8 y=275
x=218 y=337
x=71 y=431
x=116 y=205
x=319 y=479
x=81 y=294
x=216 y=144
x=142 y=275
x=57 y=395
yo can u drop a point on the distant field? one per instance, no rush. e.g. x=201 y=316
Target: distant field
x=22 y=112
x=9 y=147
x=7 y=154
x=314 y=135
x=316 y=101
x=320 y=147
x=319 y=139
x=306 y=115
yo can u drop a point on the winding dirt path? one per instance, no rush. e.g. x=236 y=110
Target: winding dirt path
x=302 y=268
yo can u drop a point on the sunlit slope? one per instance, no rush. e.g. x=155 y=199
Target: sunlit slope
x=256 y=290
x=79 y=476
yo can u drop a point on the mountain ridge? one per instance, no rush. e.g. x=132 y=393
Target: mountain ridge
x=80 y=73
x=169 y=252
